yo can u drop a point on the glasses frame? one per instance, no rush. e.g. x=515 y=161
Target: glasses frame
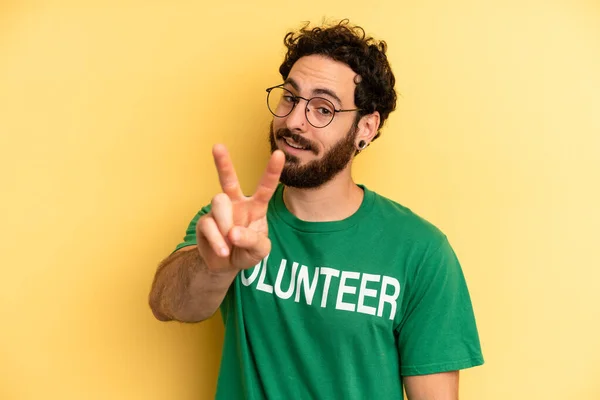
x=297 y=100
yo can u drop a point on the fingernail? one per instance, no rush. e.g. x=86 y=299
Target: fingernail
x=223 y=251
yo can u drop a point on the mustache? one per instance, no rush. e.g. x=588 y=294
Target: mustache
x=301 y=140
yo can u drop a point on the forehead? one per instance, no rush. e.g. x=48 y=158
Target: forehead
x=316 y=72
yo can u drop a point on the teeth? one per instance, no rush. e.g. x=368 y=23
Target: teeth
x=287 y=140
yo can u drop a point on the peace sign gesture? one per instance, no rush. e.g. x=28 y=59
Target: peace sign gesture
x=234 y=234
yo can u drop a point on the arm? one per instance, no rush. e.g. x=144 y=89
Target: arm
x=438 y=333
x=442 y=386
x=191 y=283
x=184 y=289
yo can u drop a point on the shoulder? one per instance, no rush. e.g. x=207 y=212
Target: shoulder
x=402 y=222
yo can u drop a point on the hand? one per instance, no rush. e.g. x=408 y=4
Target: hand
x=234 y=234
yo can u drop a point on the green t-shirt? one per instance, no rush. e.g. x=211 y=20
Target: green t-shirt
x=344 y=309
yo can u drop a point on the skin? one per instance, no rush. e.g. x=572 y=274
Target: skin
x=340 y=197
x=190 y=284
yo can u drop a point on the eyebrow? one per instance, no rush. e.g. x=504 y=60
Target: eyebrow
x=325 y=91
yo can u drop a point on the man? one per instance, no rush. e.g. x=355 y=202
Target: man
x=327 y=290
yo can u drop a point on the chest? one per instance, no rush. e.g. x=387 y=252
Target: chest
x=323 y=281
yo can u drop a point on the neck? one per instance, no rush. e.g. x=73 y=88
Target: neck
x=333 y=201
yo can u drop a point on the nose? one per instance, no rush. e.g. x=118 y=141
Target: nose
x=296 y=120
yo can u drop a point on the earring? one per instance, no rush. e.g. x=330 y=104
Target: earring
x=362 y=145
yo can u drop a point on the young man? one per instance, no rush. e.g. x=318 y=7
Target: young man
x=327 y=290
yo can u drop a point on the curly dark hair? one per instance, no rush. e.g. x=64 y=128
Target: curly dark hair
x=349 y=44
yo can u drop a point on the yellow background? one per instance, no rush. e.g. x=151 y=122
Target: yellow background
x=108 y=111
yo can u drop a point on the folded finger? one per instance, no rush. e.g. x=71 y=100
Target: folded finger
x=222 y=212
x=207 y=227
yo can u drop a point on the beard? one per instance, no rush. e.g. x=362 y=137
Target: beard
x=316 y=172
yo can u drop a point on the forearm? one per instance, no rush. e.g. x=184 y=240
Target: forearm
x=185 y=290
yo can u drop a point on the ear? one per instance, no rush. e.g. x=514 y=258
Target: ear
x=367 y=128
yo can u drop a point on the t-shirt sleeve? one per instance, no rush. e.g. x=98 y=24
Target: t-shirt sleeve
x=438 y=332
x=190 y=234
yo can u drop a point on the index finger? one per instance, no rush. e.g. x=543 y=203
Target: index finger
x=270 y=179
x=227 y=176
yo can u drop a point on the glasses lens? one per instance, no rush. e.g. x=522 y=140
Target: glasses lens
x=320 y=112
x=280 y=101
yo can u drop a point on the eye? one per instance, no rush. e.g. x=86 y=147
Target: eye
x=289 y=99
x=324 y=111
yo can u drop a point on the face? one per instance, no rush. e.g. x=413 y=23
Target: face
x=316 y=172
x=314 y=156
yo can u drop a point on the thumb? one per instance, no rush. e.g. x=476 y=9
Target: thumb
x=257 y=244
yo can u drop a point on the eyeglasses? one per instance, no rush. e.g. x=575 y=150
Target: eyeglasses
x=319 y=111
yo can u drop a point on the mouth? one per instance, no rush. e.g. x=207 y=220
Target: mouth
x=295 y=145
